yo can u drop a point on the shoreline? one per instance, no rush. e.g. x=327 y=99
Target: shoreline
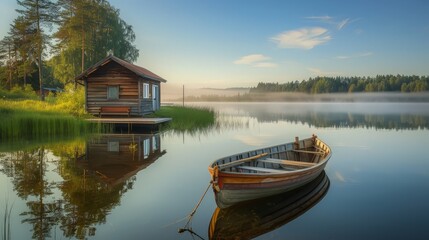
x=304 y=97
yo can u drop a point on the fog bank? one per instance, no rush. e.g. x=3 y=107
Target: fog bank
x=201 y=95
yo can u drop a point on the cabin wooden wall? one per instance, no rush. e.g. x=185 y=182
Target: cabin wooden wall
x=146 y=106
x=130 y=93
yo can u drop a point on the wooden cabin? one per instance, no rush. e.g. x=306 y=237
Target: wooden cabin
x=116 y=87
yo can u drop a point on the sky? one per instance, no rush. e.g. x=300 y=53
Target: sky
x=238 y=43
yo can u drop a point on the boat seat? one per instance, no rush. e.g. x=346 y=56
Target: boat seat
x=287 y=162
x=258 y=169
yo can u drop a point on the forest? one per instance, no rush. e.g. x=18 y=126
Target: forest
x=51 y=42
x=380 y=83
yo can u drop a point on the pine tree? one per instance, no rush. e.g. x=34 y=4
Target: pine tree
x=8 y=57
x=21 y=32
x=42 y=14
x=77 y=20
x=87 y=31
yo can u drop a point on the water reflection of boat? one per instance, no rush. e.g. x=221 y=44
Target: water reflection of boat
x=253 y=218
x=117 y=157
x=268 y=171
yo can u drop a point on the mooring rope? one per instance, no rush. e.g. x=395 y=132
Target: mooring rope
x=191 y=215
x=192 y=233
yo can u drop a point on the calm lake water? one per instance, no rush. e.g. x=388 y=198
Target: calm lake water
x=142 y=186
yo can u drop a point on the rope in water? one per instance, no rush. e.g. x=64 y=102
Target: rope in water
x=191 y=215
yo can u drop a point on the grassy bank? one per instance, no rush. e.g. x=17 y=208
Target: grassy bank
x=31 y=120
x=187 y=118
x=26 y=118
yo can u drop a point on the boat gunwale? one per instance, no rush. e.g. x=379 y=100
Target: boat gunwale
x=292 y=172
x=286 y=173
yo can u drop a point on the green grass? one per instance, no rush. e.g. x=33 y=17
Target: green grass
x=187 y=118
x=63 y=117
x=36 y=120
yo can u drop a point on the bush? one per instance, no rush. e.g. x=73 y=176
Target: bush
x=71 y=101
x=18 y=92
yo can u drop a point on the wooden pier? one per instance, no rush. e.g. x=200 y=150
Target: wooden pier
x=132 y=124
x=142 y=121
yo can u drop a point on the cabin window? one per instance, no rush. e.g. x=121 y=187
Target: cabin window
x=145 y=90
x=113 y=92
x=113 y=146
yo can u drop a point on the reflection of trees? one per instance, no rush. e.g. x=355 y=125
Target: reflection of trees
x=86 y=200
x=27 y=170
x=43 y=216
x=91 y=181
x=349 y=120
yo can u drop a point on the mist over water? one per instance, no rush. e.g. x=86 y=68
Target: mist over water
x=173 y=93
x=134 y=186
x=401 y=115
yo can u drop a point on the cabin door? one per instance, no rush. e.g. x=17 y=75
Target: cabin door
x=155 y=97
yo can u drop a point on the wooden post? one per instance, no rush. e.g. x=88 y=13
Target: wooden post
x=85 y=81
x=140 y=97
x=296 y=143
x=183 y=104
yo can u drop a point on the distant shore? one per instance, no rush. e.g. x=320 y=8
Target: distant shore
x=303 y=97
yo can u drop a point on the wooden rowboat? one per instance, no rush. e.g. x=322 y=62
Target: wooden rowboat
x=267 y=171
x=253 y=218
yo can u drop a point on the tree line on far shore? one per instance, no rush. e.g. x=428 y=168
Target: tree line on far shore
x=379 y=83
x=52 y=41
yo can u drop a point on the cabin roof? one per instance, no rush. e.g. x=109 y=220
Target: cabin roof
x=140 y=71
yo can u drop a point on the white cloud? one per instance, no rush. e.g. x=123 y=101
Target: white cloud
x=339 y=24
x=250 y=59
x=256 y=60
x=304 y=38
x=343 y=23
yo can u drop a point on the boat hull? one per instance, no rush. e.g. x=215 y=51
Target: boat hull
x=231 y=188
x=254 y=218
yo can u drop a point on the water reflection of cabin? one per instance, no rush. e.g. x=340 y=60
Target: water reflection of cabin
x=116 y=87
x=115 y=158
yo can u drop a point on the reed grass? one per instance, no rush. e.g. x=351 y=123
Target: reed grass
x=35 y=120
x=6 y=232
x=187 y=118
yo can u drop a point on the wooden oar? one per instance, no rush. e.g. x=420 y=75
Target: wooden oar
x=238 y=162
x=311 y=152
